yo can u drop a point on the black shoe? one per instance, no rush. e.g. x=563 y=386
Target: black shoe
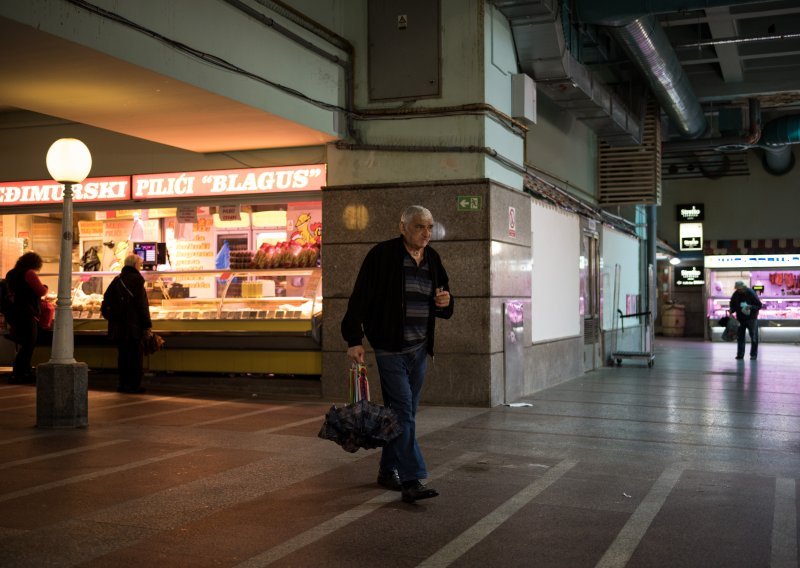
x=740 y=356
x=390 y=480
x=753 y=357
x=414 y=491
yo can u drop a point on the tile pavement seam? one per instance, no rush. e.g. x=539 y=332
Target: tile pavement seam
x=145 y=400
x=631 y=440
x=31 y=437
x=173 y=411
x=52 y=455
x=319 y=419
x=243 y=415
x=622 y=548
x=663 y=422
x=784 y=525
x=31 y=405
x=539 y=401
x=343 y=519
x=90 y=476
x=460 y=545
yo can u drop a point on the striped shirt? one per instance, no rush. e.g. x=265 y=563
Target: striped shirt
x=418 y=294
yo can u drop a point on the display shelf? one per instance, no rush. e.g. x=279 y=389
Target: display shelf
x=211 y=325
x=778 y=308
x=265 y=295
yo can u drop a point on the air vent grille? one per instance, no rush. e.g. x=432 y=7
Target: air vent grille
x=632 y=174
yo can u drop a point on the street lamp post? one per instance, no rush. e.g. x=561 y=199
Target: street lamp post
x=62 y=383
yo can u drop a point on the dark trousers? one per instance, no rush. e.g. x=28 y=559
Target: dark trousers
x=129 y=364
x=24 y=334
x=402 y=376
x=751 y=325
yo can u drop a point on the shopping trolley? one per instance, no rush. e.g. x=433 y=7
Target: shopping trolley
x=646 y=339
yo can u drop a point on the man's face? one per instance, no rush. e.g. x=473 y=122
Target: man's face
x=417 y=234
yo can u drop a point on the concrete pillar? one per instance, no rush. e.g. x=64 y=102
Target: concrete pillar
x=485 y=264
x=62 y=399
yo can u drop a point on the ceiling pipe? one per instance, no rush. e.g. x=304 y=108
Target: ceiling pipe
x=621 y=12
x=778 y=161
x=779 y=134
x=648 y=47
x=729 y=143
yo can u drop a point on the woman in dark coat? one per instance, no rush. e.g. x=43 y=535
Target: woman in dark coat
x=126 y=307
x=27 y=291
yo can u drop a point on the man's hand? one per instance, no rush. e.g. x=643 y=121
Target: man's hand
x=356 y=353
x=442 y=299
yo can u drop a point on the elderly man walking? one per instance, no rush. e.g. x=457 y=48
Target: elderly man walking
x=401 y=288
x=745 y=304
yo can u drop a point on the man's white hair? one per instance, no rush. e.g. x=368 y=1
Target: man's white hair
x=414 y=211
x=132 y=259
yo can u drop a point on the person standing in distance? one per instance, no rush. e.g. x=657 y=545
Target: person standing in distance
x=27 y=291
x=745 y=304
x=127 y=309
x=400 y=290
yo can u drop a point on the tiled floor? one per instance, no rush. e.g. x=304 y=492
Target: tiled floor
x=691 y=463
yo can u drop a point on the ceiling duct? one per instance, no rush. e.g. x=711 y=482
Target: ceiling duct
x=775 y=139
x=778 y=135
x=648 y=47
x=542 y=53
x=622 y=12
x=725 y=143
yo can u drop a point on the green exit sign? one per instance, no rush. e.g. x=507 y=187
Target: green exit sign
x=468 y=203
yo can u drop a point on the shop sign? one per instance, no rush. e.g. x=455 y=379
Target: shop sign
x=186 y=214
x=690 y=212
x=691 y=236
x=222 y=183
x=689 y=275
x=90 y=229
x=48 y=191
x=752 y=260
x=229 y=213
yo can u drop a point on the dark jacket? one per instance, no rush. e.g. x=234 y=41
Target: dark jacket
x=747 y=295
x=125 y=303
x=27 y=300
x=377 y=305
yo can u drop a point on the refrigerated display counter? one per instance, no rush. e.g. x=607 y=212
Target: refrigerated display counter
x=775 y=278
x=261 y=321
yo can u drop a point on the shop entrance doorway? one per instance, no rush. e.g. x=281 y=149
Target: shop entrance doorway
x=590 y=295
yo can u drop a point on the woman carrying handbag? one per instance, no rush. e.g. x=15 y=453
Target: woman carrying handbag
x=127 y=310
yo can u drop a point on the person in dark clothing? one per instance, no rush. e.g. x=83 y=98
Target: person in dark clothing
x=26 y=290
x=745 y=304
x=400 y=290
x=127 y=310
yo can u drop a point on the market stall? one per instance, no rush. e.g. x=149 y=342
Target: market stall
x=775 y=278
x=231 y=264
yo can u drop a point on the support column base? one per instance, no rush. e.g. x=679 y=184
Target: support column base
x=62 y=395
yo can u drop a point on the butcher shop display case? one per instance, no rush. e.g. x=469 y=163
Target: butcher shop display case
x=265 y=321
x=776 y=280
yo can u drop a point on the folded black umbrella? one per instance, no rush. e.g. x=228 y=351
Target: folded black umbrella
x=362 y=424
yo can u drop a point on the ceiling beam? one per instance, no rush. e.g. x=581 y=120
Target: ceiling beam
x=675 y=21
x=722 y=25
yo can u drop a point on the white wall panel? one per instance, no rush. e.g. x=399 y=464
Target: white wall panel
x=555 y=285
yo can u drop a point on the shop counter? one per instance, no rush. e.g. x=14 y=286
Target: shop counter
x=778 y=288
x=261 y=321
